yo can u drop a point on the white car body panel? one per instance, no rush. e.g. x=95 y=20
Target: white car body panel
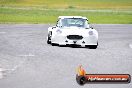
x=60 y=34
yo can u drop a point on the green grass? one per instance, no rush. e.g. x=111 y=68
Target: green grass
x=81 y=4
x=10 y=15
x=47 y=11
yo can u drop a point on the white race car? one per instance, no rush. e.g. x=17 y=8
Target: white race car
x=73 y=30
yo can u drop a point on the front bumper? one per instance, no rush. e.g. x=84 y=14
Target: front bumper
x=86 y=40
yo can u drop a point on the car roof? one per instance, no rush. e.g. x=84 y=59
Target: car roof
x=62 y=17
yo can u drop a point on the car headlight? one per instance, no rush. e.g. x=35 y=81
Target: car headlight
x=59 y=31
x=90 y=32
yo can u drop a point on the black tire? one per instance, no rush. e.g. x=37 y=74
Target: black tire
x=49 y=38
x=81 y=80
x=54 y=44
x=62 y=45
x=48 y=41
x=92 y=46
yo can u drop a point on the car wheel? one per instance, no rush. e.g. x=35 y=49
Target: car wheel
x=49 y=38
x=93 y=46
x=48 y=41
x=62 y=45
x=54 y=44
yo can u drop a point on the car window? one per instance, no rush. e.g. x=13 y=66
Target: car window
x=79 y=22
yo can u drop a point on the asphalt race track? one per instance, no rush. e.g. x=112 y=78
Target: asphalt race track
x=27 y=61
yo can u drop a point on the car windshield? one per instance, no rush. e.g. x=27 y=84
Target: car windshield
x=78 y=22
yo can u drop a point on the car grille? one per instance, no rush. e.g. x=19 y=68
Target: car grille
x=74 y=37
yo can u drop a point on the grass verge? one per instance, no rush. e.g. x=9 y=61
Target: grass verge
x=31 y=15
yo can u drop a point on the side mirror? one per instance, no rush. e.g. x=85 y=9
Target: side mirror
x=91 y=27
x=58 y=25
x=87 y=27
x=53 y=27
